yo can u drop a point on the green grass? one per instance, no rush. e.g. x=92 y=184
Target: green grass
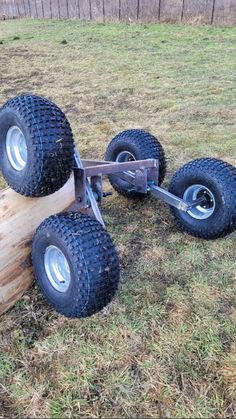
x=166 y=345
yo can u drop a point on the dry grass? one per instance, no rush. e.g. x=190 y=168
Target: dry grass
x=166 y=345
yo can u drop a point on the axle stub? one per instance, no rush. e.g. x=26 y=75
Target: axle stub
x=208 y=186
x=132 y=145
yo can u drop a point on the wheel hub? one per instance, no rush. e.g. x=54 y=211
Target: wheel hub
x=57 y=268
x=16 y=148
x=206 y=208
x=125 y=156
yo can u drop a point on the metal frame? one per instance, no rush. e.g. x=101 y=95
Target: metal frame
x=141 y=174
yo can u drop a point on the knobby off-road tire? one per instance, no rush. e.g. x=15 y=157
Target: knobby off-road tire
x=217 y=216
x=36 y=146
x=131 y=145
x=90 y=268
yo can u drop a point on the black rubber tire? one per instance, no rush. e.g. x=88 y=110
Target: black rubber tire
x=220 y=178
x=49 y=142
x=92 y=258
x=143 y=146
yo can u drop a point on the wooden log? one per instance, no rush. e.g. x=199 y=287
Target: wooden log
x=20 y=217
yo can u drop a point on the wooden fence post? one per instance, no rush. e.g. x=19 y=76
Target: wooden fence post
x=171 y=10
x=149 y=10
x=112 y=9
x=73 y=9
x=39 y=9
x=129 y=9
x=224 y=12
x=200 y=11
x=64 y=11
x=20 y=8
x=221 y=12
x=47 y=9
x=97 y=9
x=85 y=9
x=13 y=13
x=32 y=8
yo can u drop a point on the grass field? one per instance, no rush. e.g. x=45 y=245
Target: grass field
x=166 y=346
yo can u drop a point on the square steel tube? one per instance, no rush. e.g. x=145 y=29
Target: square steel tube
x=109 y=168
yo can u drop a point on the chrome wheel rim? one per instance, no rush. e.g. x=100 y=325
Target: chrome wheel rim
x=204 y=210
x=57 y=268
x=125 y=156
x=16 y=148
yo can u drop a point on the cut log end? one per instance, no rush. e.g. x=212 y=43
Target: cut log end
x=20 y=217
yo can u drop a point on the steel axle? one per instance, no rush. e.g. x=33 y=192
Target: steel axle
x=142 y=175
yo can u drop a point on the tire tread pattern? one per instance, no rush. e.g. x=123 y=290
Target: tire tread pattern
x=52 y=144
x=94 y=257
x=149 y=147
x=224 y=175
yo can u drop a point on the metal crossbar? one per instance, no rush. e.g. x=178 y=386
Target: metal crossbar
x=142 y=175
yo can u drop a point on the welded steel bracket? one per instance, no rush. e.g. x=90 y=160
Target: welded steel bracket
x=142 y=175
x=89 y=185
